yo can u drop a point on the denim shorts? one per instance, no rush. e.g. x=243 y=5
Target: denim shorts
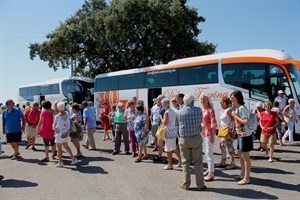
x=245 y=144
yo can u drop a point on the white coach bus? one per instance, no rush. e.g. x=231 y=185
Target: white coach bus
x=258 y=74
x=75 y=89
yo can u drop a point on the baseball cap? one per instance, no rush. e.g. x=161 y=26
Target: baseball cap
x=280 y=92
x=259 y=104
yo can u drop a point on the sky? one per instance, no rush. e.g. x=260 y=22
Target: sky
x=231 y=24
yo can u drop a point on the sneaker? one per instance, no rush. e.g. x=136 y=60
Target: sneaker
x=115 y=153
x=59 y=164
x=266 y=155
x=78 y=155
x=74 y=162
x=270 y=160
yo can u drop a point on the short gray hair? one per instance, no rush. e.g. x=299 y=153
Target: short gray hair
x=61 y=106
x=160 y=97
x=291 y=100
x=188 y=99
x=165 y=102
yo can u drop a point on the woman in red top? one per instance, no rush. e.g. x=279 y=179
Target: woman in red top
x=105 y=121
x=268 y=123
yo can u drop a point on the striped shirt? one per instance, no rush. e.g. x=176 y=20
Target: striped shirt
x=188 y=119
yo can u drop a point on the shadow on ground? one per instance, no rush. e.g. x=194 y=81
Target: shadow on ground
x=13 y=183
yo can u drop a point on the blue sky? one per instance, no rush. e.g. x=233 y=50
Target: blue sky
x=232 y=24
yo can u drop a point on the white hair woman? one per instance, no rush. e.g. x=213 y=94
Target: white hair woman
x=170 y=141
x=61 y=126
x=209 y=124
x=290 y=118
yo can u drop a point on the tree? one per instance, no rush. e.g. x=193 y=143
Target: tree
x=124 y=34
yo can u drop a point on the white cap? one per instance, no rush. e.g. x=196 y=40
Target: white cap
x=259 y=104
x=280 y=92
x=120 y=104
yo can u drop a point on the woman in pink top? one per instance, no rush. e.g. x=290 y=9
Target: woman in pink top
x=46 y=131
x=209 y=124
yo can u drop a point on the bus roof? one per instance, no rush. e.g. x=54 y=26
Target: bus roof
x=269 y=53
x=59 y=80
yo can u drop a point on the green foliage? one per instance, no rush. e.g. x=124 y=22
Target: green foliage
x=122 y=35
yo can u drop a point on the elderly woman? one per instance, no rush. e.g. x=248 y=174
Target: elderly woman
x=241 y=116
x=78 y=136
x=290 y=118
x=171 y=135
x=209 y=124
x=226 y=119
x=130 y=116
x=61 y=127
x=105 y=121
x=268 y=123
x=141 y=131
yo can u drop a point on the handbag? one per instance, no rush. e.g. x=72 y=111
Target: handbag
x=224 y=132
x=161 y=132
x=72 y=127
x=77 y=133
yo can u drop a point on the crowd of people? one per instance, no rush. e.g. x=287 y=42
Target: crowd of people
x=190 y=130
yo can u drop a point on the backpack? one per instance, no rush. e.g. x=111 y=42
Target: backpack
x=252 y=121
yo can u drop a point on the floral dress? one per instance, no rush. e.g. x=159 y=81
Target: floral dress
x=139 y=125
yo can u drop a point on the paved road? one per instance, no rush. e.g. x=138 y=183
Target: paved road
x=101 y=175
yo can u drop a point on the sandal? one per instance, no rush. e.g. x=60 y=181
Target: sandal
x=167 y=167
x=157 y=159
x=244 y=182
x=145 y=157
x=239 y=177
x=138 y=160
x=221 y=164
x=232 y=166
x=155 y=149
x=184 y=187
x=46 y=159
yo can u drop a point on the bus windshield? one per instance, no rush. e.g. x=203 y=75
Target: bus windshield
x=295 y=78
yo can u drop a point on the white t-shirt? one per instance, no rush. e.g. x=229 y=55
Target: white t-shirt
x=281 y=101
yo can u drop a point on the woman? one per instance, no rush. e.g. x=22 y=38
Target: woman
x=227 y=143
x=111 y=116
x=61 y=126
x=279 y=128
x=46 y=131
x=175 y=105
x=141 y=131
x=76 y=119
x=290 y=118
x=209 y=124
x=105 y=121
x=259 y=109
x=241 y=116
x=268 y=123
x=171 y=135
x=130 y=116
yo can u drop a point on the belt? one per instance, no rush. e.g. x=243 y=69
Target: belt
x=121 y=123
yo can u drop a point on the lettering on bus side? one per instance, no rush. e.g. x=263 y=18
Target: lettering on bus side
x=169 y=93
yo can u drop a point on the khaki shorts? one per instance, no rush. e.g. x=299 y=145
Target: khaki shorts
x=271 y=139
x=31 y=132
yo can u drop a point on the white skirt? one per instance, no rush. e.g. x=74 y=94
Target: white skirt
x=59 y=139
x=170 y=144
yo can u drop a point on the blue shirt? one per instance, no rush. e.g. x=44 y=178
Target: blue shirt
x=188 y=120
x=12 y=120
x=89 y=113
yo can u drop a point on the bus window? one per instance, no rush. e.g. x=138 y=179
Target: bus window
x=295 y=78
x=159 y=79
x=106 y=83
x=239 y=74
x=23 y=92
x=198 y=75
x=33 y=90
x=54 y=89
x=258 y=89
x=45 y=89
x=131 y=81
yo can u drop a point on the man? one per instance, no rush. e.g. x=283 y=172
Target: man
x=2 y=108
x=11 y=126
x=121 y=129
x=188 y=119
x=156 y=111
x=32 y=117
x=89 y=119
x=281 y=99
x=179 y=99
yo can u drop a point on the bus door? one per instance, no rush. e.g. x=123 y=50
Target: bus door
x=41 y=99
x=153 y=94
